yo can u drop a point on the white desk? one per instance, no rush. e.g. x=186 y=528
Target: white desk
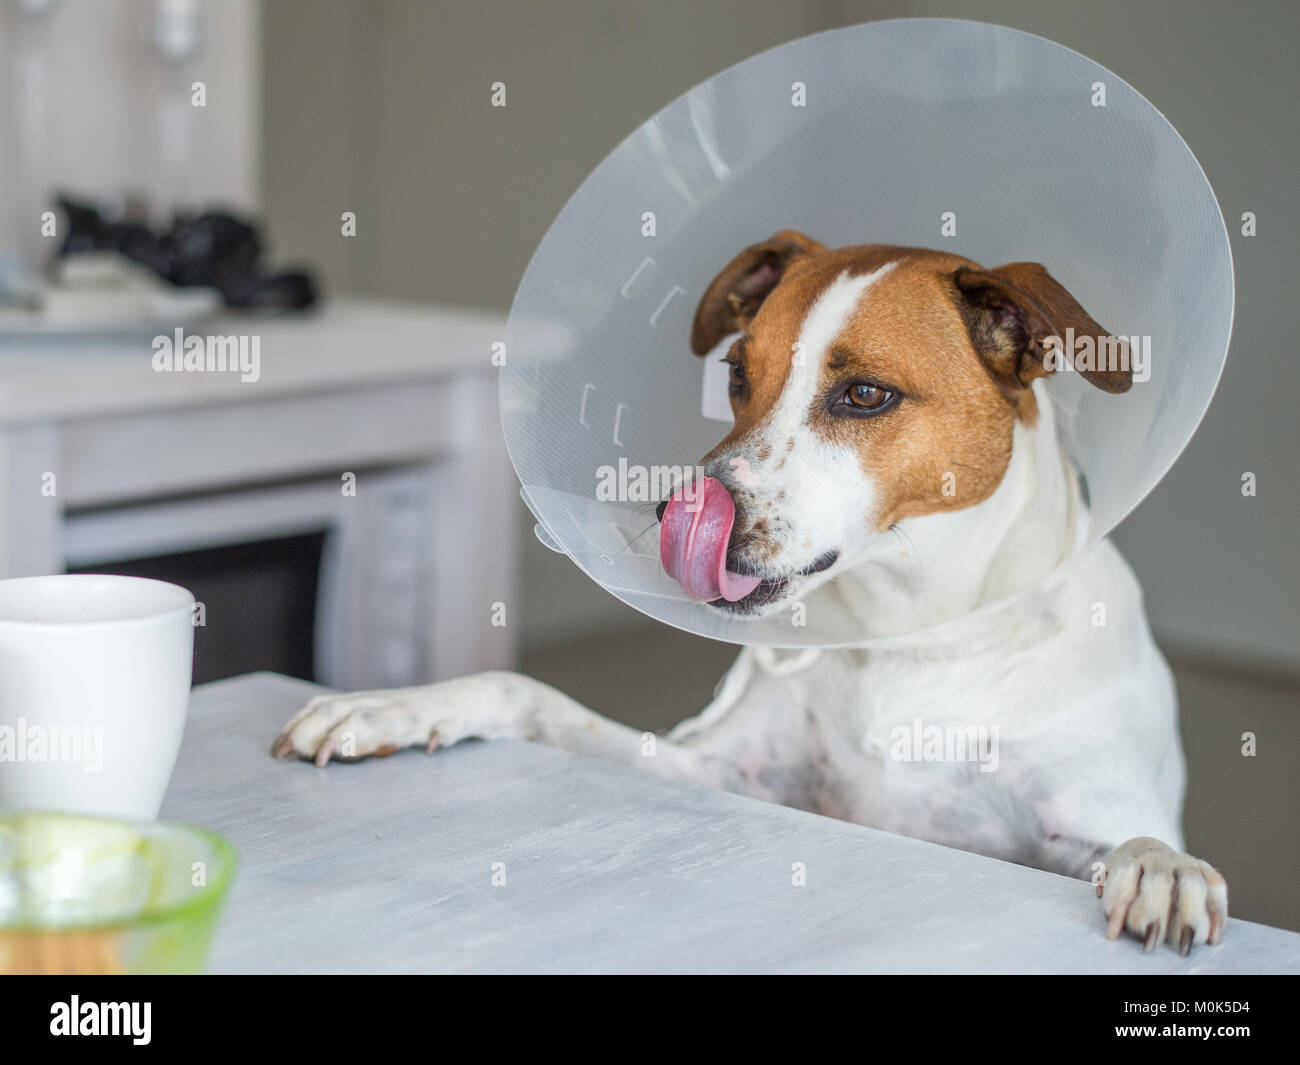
x=387 y=866
x=103 y=458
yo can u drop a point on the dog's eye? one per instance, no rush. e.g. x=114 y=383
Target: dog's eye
x=867 y=397
x=736 y=380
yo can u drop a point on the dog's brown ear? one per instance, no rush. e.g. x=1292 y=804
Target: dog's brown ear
x=735 y=295
x=1010 y=313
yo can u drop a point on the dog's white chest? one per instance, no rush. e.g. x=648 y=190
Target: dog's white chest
x=912 y=751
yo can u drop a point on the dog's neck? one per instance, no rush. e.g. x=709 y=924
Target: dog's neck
x=941 y=567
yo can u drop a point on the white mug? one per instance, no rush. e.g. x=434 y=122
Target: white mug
x=94 y=686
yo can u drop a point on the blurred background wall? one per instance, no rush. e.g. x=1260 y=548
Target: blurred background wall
x=102 y=101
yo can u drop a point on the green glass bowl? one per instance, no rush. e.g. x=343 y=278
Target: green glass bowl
x=90 y=895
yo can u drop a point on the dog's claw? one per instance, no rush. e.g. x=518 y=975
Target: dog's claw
x=282 y=747
x=434 y=740
x=323 y=755
x=1161 y=895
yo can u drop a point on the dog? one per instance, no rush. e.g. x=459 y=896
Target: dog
x=893 y=445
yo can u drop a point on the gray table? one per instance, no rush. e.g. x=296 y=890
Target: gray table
x=388 y=866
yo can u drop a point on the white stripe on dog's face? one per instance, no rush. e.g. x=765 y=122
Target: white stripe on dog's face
x=826 y=320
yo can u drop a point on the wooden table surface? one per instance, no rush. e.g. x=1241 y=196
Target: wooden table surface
x=513 y=857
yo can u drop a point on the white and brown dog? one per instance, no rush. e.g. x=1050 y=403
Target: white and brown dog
x=912 y=426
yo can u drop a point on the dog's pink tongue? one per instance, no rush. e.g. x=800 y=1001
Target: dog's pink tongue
x=693 y=540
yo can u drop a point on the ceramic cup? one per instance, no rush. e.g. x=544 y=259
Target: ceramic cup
x=94 y=686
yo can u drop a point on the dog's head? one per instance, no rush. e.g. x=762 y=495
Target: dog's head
x=870 y=385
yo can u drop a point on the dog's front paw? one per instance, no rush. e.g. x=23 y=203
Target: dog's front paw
x=362 y=724
x=1158 y=893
